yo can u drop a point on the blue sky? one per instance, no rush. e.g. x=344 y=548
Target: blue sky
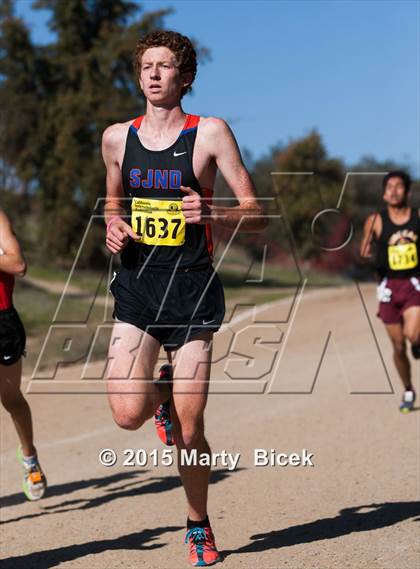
x=279 y=68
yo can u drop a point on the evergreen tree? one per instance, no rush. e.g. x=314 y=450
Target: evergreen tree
x=57 y=99
x=300 y=197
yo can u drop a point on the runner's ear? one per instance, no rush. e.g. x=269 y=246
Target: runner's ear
x=187 y=79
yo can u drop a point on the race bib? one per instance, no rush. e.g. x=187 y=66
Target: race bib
x=402 y=257
x=158 y=222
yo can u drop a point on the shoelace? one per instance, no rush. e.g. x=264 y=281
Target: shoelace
x=163 y=416
x=199 y=537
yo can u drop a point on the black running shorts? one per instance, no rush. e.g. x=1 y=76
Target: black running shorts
x=171 y=307
x=12 y=337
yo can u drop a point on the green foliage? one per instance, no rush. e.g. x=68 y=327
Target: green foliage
x=298 y=195
x=57 y=99
x=55 y=102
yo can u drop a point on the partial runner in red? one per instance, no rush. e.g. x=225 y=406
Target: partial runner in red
x=12 y=348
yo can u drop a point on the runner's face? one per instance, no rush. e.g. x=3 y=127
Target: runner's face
x=395 y=194
x=160 y=79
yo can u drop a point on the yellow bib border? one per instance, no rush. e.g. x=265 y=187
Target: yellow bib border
x=158 y=222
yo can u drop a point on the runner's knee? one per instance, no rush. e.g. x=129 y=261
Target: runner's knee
x=413 y=336
x=399 y=347
x=190 y=435
x=128 y=420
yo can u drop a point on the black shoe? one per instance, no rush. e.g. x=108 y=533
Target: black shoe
x=415 y=350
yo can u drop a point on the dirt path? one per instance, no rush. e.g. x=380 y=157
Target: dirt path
x=356 y=508
x=55 y=287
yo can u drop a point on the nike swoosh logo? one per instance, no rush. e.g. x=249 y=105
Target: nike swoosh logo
x=208 y=322
x=6 y=358
x=178 y=153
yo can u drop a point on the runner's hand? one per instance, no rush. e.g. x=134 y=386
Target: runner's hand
x=118 y=234
x=383 y=293
x=194 y=207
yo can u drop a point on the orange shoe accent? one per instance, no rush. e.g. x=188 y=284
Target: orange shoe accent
x=35 y=476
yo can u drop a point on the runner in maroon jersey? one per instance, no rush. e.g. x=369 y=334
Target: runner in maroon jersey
x=395 y=232
x=12 y=347
x=161 y=168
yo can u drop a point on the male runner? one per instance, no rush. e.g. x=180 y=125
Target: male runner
x=166 y=293
x=395 y=232
x=12 y=347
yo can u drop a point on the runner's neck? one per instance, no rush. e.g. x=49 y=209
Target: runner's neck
x=399 y=215
x=162 y=120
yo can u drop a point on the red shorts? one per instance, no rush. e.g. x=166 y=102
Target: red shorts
x=404 y=294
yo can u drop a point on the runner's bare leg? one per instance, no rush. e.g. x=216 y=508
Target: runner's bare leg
x=15 y=403
x=132 y=358
x=191 y=382
x=402 y=363
x=412 y=324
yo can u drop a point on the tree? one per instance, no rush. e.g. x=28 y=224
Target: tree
x=301 y=196
x=57 y=99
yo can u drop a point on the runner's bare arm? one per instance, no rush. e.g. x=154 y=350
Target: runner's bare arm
x=371 y=230
x=11 y=260
x=223 y=149
x=111 y=140
x=118 y=231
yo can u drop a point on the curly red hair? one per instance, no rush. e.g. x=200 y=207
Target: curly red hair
x=181 y=47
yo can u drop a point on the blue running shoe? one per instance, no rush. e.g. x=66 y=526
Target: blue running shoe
x=202 y=547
